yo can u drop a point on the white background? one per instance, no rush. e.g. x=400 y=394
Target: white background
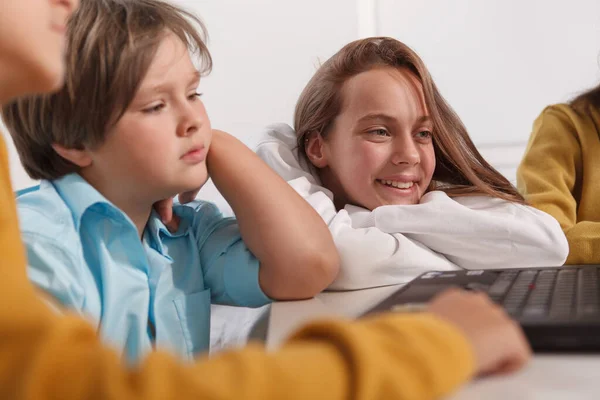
x=498 y=62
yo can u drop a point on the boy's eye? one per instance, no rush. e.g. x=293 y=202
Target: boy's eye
x=195 y=96
x=154 y=109
x=379 y=132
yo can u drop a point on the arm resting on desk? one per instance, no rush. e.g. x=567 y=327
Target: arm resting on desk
x=44 y=356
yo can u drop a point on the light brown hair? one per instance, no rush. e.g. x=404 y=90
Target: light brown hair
x=110 y=46
x=460 y=169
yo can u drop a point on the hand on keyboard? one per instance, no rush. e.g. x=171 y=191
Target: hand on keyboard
x=498 y=342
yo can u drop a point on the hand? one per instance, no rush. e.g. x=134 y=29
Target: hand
x=164 y=208
x=498 y=342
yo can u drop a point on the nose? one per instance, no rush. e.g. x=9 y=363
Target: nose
x=191 y=120
x=69 y=5
x=406 y=151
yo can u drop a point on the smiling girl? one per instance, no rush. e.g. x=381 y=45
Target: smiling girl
x=390 y=167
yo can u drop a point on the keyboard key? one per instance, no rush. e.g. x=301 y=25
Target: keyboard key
x=535 y=311
x=587 y=292
x=538 y=302
x=502 y=284
x=564 y=293
x=519 y=291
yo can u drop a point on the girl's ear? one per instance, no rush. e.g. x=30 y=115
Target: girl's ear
x=81 y=158
x=314 y=150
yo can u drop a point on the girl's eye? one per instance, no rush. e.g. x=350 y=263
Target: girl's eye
x=154 y=109
x=379 y=132
x=424 y=134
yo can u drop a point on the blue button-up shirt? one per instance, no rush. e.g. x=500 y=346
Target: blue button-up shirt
x=156 y=291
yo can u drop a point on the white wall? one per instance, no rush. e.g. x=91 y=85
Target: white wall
x=498 y=62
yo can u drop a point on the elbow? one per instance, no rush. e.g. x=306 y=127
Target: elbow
x=321 y=270
x=554 y=243
x=303 y=278
x=559 y=244
x=562 y=250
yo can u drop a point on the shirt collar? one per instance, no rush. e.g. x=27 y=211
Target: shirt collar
x=80 y=196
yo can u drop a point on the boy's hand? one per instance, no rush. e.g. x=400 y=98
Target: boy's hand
x=164 y=208
x=498 y=342
x=186 y=197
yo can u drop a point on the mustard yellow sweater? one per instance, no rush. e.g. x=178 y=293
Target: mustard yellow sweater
x=560 y=174
x=47 y=356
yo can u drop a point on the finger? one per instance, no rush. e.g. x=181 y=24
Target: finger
x=165 y=210
x=446 y=294
x=518 y=354
x=511 y=364
x=173 y=224
x=186 y=197
x=526 y=350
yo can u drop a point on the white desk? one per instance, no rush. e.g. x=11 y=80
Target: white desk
x=547 y=377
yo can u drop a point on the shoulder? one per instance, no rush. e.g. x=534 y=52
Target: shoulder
x=561 y=110
x=279 y=133
x=277 y=145
x=44 y=213
x=563 y=118
x=278 y=148
x=52 y=244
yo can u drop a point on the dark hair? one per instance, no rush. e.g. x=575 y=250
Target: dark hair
x=590 y=97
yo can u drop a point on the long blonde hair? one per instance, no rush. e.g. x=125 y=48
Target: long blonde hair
x=460 y=169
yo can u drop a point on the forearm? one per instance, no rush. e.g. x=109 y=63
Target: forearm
x=400 y=357
x=297 y=254
x=477 y=231
x=522 y=238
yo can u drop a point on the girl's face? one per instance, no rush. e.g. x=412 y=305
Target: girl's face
x=379 y=150
x=32 y=44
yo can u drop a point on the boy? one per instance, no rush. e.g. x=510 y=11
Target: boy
x=127 y=130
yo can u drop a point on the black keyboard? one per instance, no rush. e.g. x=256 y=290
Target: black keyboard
x=557 y=307
x=566 y=293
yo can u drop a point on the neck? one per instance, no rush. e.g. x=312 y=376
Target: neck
x=138 y=213
x=329 y=182
x=128 y=201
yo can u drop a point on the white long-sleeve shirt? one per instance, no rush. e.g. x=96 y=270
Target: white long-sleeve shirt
x=394 y=244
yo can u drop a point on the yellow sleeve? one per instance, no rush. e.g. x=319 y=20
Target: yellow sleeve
x=399 y=357
x=547 y=177
x=48 y=356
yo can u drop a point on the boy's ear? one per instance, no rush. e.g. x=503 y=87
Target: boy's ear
x=81 y=158
x=314 y=146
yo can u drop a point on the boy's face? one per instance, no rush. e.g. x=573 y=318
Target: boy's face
x=32 y=44
x=158 y=148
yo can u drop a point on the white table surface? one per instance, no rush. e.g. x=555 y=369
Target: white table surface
x=546 y=377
